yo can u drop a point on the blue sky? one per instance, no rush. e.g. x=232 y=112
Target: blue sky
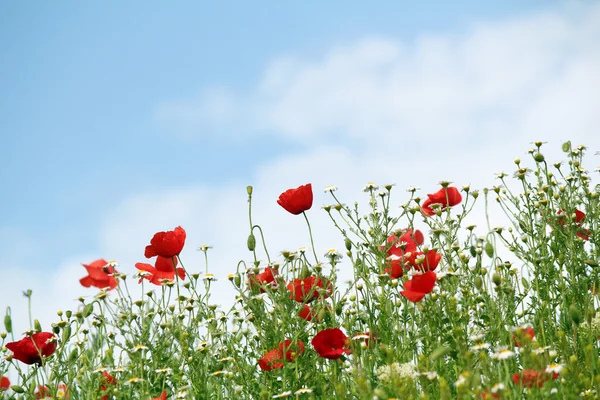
x=81 y=82
x=112 y=114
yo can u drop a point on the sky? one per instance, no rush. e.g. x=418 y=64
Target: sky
x=121 y=120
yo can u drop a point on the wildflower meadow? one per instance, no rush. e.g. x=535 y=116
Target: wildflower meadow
x=435 y=309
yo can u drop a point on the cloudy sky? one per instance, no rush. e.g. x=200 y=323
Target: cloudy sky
x=120 y=121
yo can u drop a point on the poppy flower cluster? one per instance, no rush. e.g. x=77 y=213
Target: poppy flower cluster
x=32 y=349
x=403 y=254
x=529 y=378
x=165 y=246
x=107 y=381
x=286 y=351
x=296 y=201
x=446 y=197
x=100 y=275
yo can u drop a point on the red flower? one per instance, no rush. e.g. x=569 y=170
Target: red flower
x=306 y=313
x=420 y=285
x=275 y=358
x=164 y=268
x=306 y=290
x=402 y=252
x=163 y=396
x=44 y=393
x=529 y=378
x=579 y=217
x=31 y=349
x=266 y=277
x=100 y=275
x=272 y=359
x=289 y=351
x=4 y=383
x=522 y=336
x=486 y=395
x=166 y=244
x=331 y=343
x=298 y=200
x=431 y=259
x=447 y=197
x=107 y=380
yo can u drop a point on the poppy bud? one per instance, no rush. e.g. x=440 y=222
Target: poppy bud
x=8 y=323
x=348 y=244
x=489 y=249
x=575 y=314
x=496 y=279
x=251 y=242
x=478 y=282
x=305 y=273
x=249 y=190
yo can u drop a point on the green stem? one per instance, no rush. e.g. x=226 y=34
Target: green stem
x=312 y=243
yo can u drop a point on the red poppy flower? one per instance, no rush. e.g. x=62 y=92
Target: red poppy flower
x=298 y=200
x=164 y=268
x=44 y=393
x=523 y=336
x=420 y=285
x=307 y=289
x=275 y=358
x=529 y=378
x=31 y=349
x=289 y=351
x=4 y=383
x=486 y=395
x=331 y=343
x=431 y=259
x=447 y=197
x=163 y=396
x=107 y=381
x=402 y=252
x=306 y=313
x=579 y=217
x=272 y=359
x=100 y=275
x=266 y=277
x=166 y=244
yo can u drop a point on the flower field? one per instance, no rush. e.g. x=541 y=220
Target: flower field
x=435 y=311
